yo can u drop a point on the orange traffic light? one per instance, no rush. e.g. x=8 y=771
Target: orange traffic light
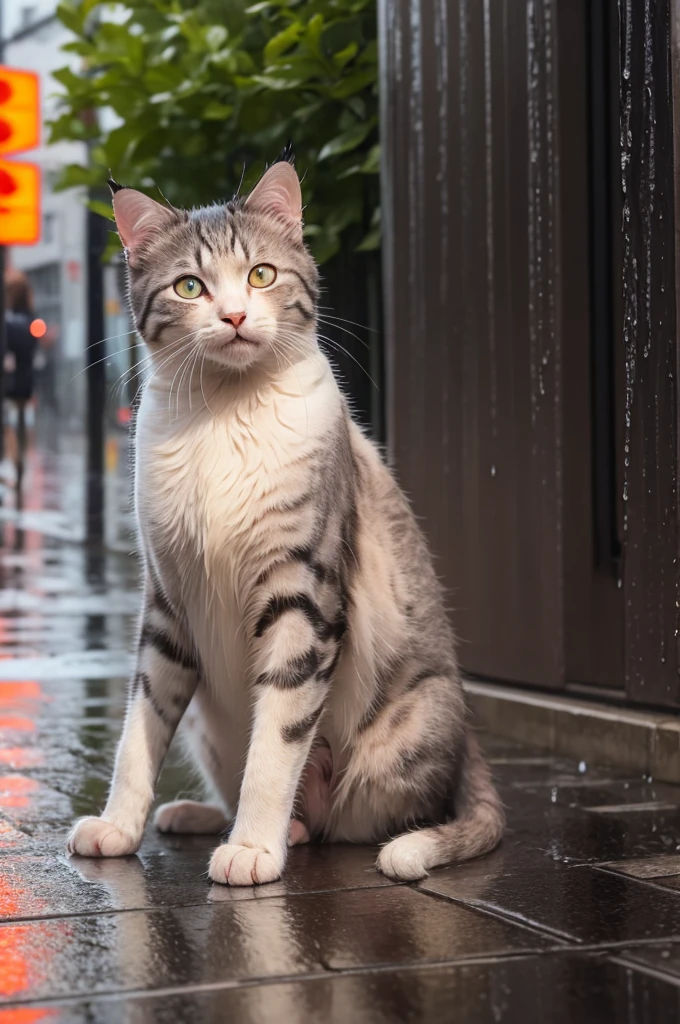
x=19 y=182
x=19 y=110
x=19 y=203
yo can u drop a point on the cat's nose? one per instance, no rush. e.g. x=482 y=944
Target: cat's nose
x=235 y=319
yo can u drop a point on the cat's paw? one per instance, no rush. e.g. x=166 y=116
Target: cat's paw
x=243 y=865
x=403 y=859
x=94 y=837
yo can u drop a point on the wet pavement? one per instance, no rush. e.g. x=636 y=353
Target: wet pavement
x=575 y=918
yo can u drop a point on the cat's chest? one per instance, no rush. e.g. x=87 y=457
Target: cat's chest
x=203 y=485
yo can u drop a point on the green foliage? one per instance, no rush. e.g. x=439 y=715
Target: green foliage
x=204 y=88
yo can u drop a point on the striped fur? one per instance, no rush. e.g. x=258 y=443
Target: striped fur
x=291 y=612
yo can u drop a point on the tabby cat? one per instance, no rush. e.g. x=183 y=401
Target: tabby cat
x=291 y=615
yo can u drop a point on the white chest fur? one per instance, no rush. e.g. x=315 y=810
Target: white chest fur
x=204 y=479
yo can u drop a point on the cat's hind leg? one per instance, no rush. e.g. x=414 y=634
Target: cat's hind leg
x=191 y=817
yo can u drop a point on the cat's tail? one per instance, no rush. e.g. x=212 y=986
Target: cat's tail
x=476 y=829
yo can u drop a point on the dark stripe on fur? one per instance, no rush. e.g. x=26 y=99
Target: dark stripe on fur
x=294 y=673
x=204 y=241
x=279 y=605
x=311 y=292
x=246 y=250
x=143 y=679
x=324 y=674
x=158 y=330
x=428 y=673
x=306 y=314
x=161 y=602
x=322 y=573
x=141 y=323
x=301 y=729
x=166 y=646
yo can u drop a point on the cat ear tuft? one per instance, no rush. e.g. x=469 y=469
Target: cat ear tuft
x=278 y=194
x=287 y=156
x=138 y=218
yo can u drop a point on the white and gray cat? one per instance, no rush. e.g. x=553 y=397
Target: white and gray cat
x=291 y=615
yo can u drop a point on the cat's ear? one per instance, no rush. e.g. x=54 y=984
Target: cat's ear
x=138 y=218
x=278 y=194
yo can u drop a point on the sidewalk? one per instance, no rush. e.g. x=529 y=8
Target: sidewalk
x=576 y=918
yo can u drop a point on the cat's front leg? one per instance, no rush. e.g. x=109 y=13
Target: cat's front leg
x=297 y=650
x=164 y=682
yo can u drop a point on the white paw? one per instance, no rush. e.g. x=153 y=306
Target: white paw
x=403 y=859
x=190 y=817
x=94 y=837
x=243 y=865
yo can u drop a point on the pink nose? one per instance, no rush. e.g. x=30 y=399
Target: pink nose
x=235 y=319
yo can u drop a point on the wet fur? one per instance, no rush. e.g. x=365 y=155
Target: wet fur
x=292 y=619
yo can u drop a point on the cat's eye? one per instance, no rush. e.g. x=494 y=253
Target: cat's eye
x=189 y=287
x=262 y=276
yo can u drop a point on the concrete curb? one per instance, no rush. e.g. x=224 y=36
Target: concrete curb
x=641 y=742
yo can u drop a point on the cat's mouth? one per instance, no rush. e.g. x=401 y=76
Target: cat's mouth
x=242 y=338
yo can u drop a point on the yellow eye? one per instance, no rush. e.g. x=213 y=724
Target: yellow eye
x=189 y=287
x=262 y=276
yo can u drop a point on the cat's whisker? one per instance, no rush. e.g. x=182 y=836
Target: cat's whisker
x=104 y=359
x=172 y=385
x=339 y=327
x=342 y=348
x=134 y=372
x=112 y=337
x=181 y=380
x=355 y=323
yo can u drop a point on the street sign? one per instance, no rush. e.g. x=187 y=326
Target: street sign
x=19 y=182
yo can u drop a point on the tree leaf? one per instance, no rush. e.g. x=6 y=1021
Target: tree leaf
x=216 y=111
x=347 y=141
x=281 y=42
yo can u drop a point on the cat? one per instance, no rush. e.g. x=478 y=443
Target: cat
x=291 y=615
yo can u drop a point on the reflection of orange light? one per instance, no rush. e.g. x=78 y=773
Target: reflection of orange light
x=21 y=757
x=13 y=723
x=15 y=790
x=17 y=970
x=13 y=966
x=38 y=328
x=16 y=691
x=17 y=784
x=26 y=1015
x=10 y=837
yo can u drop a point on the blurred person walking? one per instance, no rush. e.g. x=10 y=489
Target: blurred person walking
x=19 y=372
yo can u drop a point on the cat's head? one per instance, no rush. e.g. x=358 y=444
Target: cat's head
x=233 y=283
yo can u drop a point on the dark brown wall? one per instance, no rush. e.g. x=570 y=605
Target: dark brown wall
x=650 y=351
x=490 y=344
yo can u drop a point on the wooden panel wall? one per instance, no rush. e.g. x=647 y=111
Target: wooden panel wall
x=473 y=313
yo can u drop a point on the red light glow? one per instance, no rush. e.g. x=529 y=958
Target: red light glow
x=38 y=328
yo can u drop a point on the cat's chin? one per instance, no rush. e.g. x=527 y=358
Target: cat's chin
x=238 y=354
